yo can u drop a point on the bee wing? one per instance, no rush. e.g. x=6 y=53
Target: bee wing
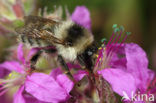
x=36 y=27
x=38 y=21
x=35 y=22
x=47 y=36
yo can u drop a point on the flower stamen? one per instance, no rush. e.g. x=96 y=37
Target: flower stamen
x=106 y=51
x=11 y=81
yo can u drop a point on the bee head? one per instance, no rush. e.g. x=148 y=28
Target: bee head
x=86 y=58
x=90 y=50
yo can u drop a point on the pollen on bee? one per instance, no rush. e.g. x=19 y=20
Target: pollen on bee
x=99 y=48
x=104 y=48
x=97 y=55
x=100 y=59
x=10 y=75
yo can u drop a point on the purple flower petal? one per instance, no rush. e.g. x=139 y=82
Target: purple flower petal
x=4 y=99
x=18 y=10
x=62 y=79
x=77 y=76
x=18 y=97
x=137 y=64
x=120 y=81
x=12 y=66
x=71 y=66
x=151 y=75
x=80 y=74
x=136 y=58
x=20 y=54
x=65 y=82
x=118 y=62
x=81 y=16
x=32 y=52
x=118 y=59
x=45 y=88
x=55 y=73
x=30 y=99
x=3 y=72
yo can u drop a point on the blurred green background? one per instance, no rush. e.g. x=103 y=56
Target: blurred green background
x=137 y=16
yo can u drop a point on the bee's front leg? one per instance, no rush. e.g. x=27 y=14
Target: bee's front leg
x=34 y=59
x=64 y=67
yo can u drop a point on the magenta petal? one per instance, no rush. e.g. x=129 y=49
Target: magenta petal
x=17 y=8
x=71 y=66
x=18 y=97
x=12 y=66
x=118 y=59
x=117 y=62
x=3 y=72
x=62 y=79
x=81 y=16
x=137 y=64
x=120 y=81
x=136 y=58
x=151 y=75
x=20 y=54
x=32 y=52
x=77 y=76
x=4 y=99
x=80 y=74
x=45 y=88
x=30 y=99
x=65 y=82
x=55 y=73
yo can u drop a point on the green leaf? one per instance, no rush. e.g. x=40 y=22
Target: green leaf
x=18 y=23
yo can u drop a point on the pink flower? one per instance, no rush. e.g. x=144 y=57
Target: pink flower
x=77 y=76
x=128 y=70
x=46 y=88
x=17 y=76
x=18 y=9
x=42 y=86
x=81 y=15
x=124 y=66
x=12 y=13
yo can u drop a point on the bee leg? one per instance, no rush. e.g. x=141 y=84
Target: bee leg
x=87 y=64
x=34 y=59
x=65 y=68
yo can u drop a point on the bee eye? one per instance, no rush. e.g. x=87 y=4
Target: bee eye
x=89 y=53
x=69 y=43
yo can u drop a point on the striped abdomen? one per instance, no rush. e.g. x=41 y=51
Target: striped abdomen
x=28 y=41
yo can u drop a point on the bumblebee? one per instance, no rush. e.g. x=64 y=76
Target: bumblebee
x=72 y=42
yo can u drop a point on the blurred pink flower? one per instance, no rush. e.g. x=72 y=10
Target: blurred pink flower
x=41 y=86
x=132 y=73
x=12 y=13
x=77 y=76
x=3 y=30
x=81 y=16
x=46 y=88
x=16 y=78
x=18 y=9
